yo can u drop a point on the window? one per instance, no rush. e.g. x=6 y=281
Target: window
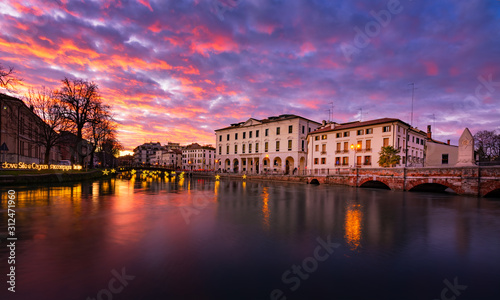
x=398 y=143
x=289 y=145
x=418 y=141
x=249 y=134
x=359 y=132
x=249 y=148
x=303 y=129
x=316 y=138
x=228 y=137
x=266 y=132
x=303 y=145
x=413 y=139
x=359 y=145
x=422 y=142
x=323 y=149
x=235 y=149
x=243 y=148
x=220 y=138
x=345 y=161
x=277 y=130
x=368 y=160
x=404 y=159
x=386 y=142
x=290 y=129
x=256 y=133
x=386 y=129
x=337 y=161
x=346 y=146
x=316 y=148
x=338 y=148
x=316 y=161
x=369 y=131
x=309 y=129
x=346 y=134
x=266 y=146
x=220 y=150
x=236 y=136
x=368 y=145
x=399 y=129
x=277 y=145
x=265 y=162
x=256 y=147
x=323 y=160
x=339 y=135
x=323 y=137
x=444 y=159
x=227 y=149
x=244 y=135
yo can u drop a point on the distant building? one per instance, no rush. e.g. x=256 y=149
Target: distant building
x=170 y=158
x=19 y=130
x=357 y=144
x=146 y=153
x=197 y=157
x=277 y=144
x=439 y=154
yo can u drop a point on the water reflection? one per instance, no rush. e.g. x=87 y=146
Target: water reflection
x=240 y=236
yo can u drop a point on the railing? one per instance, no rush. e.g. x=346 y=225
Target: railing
x=323 y=152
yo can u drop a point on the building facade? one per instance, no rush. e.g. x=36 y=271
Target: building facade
x=357 y=144
x=20 y=130
x=198 y=158
x=169 y=158
x=276 y=145
x=145 y=154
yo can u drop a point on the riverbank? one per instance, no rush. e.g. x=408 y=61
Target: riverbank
x=28 y=178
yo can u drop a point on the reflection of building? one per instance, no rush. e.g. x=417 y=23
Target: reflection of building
x=276 y=144
x=359 y=143
x=197 y=157
x=20 y=130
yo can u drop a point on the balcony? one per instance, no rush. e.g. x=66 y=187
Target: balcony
x=338 y=151
x=323 y=152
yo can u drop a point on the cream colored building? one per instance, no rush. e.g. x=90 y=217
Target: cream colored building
x=357 y=144
x=198 y=158
x=170 y=158
x=276 y=145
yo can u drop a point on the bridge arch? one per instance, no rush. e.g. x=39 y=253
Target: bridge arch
x=314 y=181
x=377 y=184
x=433 y=185
x=492 y=192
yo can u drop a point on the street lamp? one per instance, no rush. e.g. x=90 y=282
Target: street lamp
x=355 y=148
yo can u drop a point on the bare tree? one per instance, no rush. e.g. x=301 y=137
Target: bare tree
x=100 y=128
x=487 y=144
x=79 y=99
x=48 y=107
x=8 y=78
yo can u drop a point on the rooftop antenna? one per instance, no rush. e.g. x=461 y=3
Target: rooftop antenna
x=328 y=110
x=332 y=109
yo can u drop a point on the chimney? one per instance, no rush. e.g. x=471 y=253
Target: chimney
x=429 y=132
x=31 y=107
x=448 y=142
x=323 y=123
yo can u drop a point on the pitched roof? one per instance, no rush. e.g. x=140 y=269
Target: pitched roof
x=355 y=124
x=267 y=120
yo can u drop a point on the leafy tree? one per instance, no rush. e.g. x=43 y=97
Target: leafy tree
x=48 y=107
x=388 y=157
x=8 y=79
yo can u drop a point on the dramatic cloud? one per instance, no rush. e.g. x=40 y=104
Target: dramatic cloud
x=177 y=70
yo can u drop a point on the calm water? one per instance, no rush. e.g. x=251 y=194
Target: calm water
x=201 y=239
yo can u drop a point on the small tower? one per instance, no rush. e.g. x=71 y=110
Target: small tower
x=466 y=150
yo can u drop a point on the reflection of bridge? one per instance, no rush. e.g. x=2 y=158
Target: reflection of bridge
x=476 y=181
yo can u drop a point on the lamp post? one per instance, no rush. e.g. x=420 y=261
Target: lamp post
x=216 y=165
x=355 y=148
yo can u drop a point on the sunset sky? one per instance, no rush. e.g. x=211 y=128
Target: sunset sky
x=177 y=70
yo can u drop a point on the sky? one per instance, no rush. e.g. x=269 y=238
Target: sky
x=177 y=70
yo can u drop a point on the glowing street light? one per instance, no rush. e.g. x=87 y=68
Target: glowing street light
x=356 y=149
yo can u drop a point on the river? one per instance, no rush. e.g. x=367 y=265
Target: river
x=205 y=239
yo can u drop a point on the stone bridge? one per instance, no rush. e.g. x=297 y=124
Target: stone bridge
x=475 y=181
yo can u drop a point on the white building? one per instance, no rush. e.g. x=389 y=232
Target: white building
x=357 y=144
x=170 y=158
x=439 y=154
x=273 y=145
x=197 y=157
